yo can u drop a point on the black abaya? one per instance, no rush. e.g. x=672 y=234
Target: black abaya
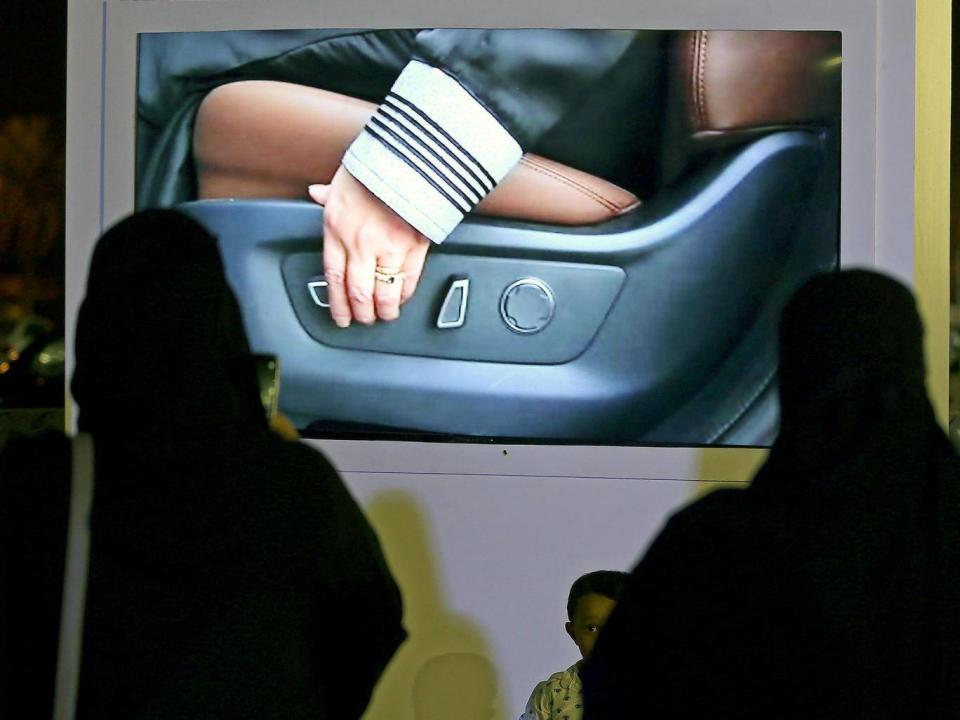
x=829 y=588
x=231 y=575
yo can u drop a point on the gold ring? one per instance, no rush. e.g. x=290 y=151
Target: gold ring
x=388 y=278
x=383 y=270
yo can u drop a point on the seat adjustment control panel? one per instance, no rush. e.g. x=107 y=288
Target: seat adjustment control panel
x=470 y=307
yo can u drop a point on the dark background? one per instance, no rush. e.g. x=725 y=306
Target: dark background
x=33 y=50
x=33 y=39
x=33 y=74
x=33 y=53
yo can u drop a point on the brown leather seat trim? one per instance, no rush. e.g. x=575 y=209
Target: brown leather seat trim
x=259 y=139
x=698 y=63
x=613 y=205
x=747 y=80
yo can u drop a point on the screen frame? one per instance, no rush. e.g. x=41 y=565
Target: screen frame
x=877 y=156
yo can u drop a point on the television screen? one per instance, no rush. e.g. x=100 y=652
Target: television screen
x=611 y=220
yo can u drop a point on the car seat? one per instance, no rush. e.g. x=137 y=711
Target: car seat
x=566 y=307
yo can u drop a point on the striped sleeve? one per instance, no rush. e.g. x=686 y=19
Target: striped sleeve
x=431 y=152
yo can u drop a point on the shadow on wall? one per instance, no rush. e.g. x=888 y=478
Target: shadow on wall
x=464 y=681
x=444 y=669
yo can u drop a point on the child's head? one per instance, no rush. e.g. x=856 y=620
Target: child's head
x=592 y=599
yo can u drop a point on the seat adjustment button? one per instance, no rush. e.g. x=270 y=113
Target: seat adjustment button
x=527 y=305
x=317 y=287
x=453 y=312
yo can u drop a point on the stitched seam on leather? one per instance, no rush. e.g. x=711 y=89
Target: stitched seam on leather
x=570 y=182
x=701 y=79
x=692 y=80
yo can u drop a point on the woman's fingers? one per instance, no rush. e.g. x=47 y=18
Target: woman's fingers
x=334 y=261
x=360 y=234
x=319 y=193
x=361 y=267
x=413 y=267
x=334 y=272
x=390 y=283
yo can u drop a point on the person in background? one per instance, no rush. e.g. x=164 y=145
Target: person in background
x=830 y=588
x=231 y=573
x=592 y=598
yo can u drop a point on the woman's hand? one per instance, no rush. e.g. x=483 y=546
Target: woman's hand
x=372 y=258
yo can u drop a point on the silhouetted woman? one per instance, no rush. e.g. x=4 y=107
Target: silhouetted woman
x=831 y=587
x=231 y=574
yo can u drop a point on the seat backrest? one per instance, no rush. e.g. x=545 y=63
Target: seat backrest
x=729 y=86
x=74 y=578
x=736 y=81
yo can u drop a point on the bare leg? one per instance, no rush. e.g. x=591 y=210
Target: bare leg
x=260 y=139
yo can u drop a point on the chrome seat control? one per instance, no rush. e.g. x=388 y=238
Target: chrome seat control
x=317 y=287
x=527 y=305
x=453 y=312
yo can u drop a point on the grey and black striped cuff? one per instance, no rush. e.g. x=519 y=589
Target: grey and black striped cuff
x=431 y=151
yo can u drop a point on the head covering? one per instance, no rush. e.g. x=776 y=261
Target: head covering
x=166 y=386
x=851 y=382
x=161 y=349
x=851 y=377
x=845 y=330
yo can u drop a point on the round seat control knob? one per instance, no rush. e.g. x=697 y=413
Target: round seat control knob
x=527 y=305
